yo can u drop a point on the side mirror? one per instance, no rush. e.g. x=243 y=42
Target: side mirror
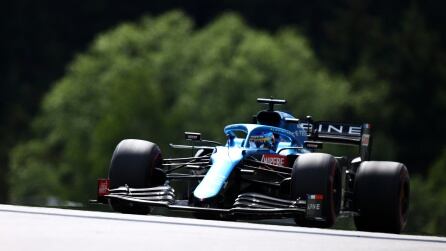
x=313 y=145
x=193 y=136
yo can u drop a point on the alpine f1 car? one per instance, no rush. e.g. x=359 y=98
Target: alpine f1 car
x=270 y=168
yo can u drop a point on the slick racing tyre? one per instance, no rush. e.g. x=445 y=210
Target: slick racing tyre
x=133 y=164
x=317 y=174
x=381 y=196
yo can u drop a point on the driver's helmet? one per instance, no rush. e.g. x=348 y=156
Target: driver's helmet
x=262 y=139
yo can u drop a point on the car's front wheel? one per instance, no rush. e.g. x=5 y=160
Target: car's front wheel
x=134 y=163
x=317 y=174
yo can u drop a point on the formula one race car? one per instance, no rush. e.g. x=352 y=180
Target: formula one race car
x=271 y=168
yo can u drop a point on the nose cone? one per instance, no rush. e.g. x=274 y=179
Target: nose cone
x=223 y=162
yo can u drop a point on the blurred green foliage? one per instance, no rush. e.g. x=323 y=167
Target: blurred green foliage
x=158 y=77
x=428 y=201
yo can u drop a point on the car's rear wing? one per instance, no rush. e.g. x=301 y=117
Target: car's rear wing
x=340 y=133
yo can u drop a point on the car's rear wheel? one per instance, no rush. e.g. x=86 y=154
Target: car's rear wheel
x=134 y=164
x=382 y=192
x=317 y=174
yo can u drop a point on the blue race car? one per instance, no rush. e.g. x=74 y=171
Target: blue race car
x=270 y=168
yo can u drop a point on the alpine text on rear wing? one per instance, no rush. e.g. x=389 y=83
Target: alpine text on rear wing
x=340 y=133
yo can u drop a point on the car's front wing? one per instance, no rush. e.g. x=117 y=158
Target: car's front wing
x=252 y=205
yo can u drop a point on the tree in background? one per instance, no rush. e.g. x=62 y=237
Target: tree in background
x=428 y=204
x=401 y=44
x=155 y=79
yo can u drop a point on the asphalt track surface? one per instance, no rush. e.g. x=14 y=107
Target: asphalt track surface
x=32 y=228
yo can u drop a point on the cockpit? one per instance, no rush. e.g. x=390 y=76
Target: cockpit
x=259 y=137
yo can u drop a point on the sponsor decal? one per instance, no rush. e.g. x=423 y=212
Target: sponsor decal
x=316 y=197
x=314 y=205
x=103 y=185
x=335 y=128
x=275 y=159
x=365 y=139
